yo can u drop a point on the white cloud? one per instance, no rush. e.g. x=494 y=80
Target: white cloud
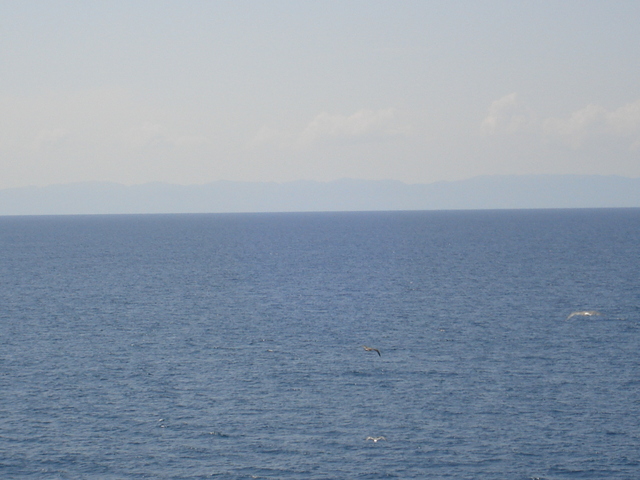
x=578 y=127
x=362 y=126
x=153 y=134
x=625 y=122
x=507 y=115
x=595 y=121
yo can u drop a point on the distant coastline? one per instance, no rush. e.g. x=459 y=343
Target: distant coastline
x=484 y=192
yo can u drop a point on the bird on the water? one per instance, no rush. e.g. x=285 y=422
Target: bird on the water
x=375 y=439
x=584 y=313
x=371 y=349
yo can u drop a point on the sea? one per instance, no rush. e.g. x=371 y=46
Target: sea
x=230 y=346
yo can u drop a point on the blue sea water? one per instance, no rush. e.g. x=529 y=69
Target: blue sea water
x=230 y=346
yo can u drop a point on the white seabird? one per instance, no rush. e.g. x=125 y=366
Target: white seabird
x=584 y=313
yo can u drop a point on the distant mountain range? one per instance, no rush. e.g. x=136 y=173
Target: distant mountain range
x=485 y=192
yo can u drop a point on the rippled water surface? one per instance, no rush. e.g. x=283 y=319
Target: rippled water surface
x=230 y=346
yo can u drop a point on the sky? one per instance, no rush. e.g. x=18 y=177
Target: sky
x=191 y=92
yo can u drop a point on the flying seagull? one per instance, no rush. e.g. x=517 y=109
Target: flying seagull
x=584 y=313
x=370 y=349
x=375 y=439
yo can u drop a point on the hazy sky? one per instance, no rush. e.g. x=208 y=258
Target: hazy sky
x=418 y=91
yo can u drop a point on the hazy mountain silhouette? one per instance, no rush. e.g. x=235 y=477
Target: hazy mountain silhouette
x=486 y=192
